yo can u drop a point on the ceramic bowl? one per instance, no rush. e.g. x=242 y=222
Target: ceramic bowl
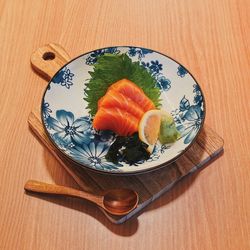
x=68 y=124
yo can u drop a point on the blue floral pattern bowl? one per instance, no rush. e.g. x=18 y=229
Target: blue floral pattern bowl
x=69 y=125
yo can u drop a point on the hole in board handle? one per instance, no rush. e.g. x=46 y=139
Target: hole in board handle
x=49 y=56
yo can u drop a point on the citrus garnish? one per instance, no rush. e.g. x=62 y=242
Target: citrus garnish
x=149 y=128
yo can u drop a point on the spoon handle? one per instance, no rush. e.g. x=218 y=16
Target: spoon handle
x=41 y=187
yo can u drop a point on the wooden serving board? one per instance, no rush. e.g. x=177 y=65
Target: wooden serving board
x=149 y=185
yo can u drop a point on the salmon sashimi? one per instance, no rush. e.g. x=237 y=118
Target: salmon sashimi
x=115 y=99
x=132 y=91
x=119 y=121
x=122 y=108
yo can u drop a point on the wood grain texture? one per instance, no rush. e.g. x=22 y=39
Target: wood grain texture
x=149 y=186
x=47 y=60
x=209 y=210
x=48 y=188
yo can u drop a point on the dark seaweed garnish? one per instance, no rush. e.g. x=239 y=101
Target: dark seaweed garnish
x=129 y=149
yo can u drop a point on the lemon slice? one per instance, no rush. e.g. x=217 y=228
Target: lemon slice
x=149 y=128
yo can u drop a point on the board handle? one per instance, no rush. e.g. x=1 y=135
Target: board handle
x=47 y=60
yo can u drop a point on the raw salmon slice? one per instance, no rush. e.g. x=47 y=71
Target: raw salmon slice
x=132 y=91
x=115 y=99
x=121 y=122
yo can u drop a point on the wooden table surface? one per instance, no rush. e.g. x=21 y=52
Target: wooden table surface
x=209 y=210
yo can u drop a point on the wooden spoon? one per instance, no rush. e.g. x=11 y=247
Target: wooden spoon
x=115 y=201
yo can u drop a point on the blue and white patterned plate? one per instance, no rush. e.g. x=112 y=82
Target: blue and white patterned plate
x=68 y=123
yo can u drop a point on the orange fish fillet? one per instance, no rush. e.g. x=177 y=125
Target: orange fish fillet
x=115 y=99
x=121 y=122
x=132 y=91
x=122 y=108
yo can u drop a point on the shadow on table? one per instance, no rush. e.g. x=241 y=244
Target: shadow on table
x=61 y=177
x=180 y=187
x=130 y=227
x=127 y=229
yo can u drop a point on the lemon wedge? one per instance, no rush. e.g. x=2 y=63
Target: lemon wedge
x=149 y=128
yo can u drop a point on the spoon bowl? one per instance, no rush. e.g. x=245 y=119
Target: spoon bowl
x=120 y=201
x=114 y=201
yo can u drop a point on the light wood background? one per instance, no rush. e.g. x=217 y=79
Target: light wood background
x=209 y=210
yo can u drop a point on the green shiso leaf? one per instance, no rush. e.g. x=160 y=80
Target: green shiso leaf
x=110 y=68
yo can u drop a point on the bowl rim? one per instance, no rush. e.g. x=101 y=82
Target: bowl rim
x=136 y=172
